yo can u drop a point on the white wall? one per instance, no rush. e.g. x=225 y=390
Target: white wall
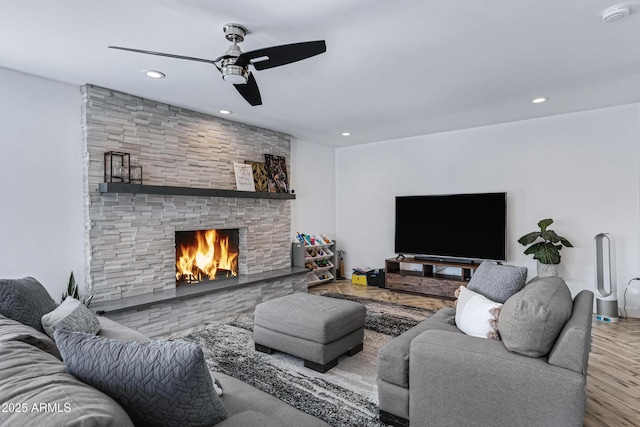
x=580 y=169
x=313 y=179
x=41 y=219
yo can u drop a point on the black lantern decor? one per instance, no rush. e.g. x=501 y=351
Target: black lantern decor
x=117 y=167
x=136 y=175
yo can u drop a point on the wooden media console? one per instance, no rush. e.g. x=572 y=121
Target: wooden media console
x=428 y=280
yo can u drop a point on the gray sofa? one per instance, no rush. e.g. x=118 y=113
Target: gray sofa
x=434 y=374
x=36 y=387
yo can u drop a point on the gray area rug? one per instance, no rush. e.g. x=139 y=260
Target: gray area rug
x=346 y=395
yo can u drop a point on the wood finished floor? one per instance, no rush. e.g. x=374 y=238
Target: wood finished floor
x=613 y=382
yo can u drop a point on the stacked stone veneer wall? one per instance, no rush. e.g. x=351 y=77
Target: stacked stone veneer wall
x=129 y=239
x=163 y=319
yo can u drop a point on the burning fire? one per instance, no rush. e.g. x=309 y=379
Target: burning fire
x=210 y=254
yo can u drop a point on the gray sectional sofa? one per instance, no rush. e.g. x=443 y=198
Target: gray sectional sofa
x=434 y=374
x=37 y=387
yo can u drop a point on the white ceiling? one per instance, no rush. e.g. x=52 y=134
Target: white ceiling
x=392 y=69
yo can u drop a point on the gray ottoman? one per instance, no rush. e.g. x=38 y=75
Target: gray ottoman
x=315 y=328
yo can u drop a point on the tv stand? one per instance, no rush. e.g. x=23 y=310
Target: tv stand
x=428 y=280
x=442 y=260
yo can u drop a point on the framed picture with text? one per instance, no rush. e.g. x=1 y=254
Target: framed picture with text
x=244 y=177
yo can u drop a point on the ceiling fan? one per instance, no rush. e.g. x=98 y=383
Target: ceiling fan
x=234 y=64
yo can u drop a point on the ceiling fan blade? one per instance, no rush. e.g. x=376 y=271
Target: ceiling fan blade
x=250 y=91
x=281 y=55
x=169 y=55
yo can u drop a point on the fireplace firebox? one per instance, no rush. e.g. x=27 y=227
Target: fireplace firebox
x=205 y=255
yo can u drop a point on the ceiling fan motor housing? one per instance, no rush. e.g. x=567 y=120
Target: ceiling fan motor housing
x=230 y=72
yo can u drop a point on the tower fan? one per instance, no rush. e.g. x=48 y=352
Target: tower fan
x=606 y=296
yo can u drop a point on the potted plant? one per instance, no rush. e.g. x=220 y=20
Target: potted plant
x=73 y=292
x=545 y=248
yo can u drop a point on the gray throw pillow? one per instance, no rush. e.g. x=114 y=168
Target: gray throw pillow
x=71 y=315
x=158 y=383
x=497 y=282
x=25 y=301
x=531 y=320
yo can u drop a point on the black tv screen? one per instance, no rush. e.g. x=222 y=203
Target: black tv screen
x=456 y=226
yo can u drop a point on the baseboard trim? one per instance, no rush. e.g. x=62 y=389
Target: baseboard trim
x=393 y=420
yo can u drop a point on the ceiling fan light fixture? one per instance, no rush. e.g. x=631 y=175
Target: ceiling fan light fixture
x=235 y=74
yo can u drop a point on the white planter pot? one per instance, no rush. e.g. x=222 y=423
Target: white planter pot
x=547 y=270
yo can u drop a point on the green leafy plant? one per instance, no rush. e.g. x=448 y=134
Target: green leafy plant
x=545 y=244
x=74 y=292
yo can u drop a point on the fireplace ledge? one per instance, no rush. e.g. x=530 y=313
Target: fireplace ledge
x=192 y=291
x=118 y=187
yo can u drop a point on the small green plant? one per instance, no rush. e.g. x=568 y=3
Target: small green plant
x=547 y=250
x=73 y=292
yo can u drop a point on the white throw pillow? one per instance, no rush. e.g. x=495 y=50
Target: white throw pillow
x=477 y=315
x=71 y=315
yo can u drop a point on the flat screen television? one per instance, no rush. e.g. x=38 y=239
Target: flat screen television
x=454 y=227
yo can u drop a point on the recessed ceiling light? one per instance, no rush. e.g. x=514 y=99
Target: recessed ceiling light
x=154 y=74
x=539 y=100
x=346 y=134
x=225 y=111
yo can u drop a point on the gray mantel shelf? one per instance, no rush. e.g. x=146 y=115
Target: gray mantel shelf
x=192 y=291
x=118 y=187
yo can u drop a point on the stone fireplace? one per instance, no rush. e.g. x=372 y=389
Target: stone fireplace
x=205 y=255
x=130 y=237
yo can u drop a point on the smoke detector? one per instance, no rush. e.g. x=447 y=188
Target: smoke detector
x=615 y=13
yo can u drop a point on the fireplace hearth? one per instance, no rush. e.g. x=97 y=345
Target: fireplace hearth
x=206 y=255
